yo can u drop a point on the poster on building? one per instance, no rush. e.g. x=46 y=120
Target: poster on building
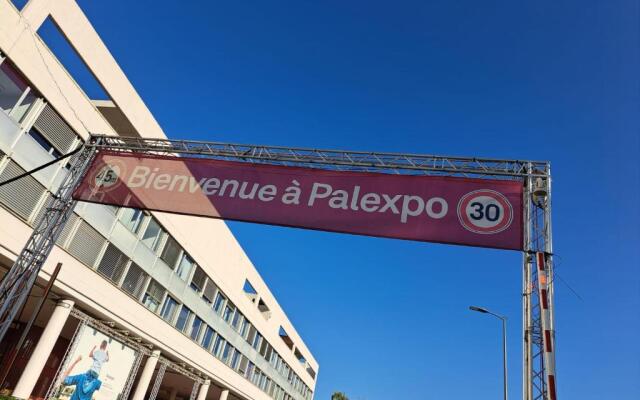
x=97 y=368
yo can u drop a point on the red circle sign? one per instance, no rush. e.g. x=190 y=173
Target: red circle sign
x=107 y=176
x=485 y=211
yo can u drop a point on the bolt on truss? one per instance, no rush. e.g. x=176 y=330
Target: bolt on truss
x=535 y=176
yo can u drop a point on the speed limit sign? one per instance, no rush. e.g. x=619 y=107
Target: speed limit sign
x=485 y=211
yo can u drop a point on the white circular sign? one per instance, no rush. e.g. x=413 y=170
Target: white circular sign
x=485 y=211
x=108 y=176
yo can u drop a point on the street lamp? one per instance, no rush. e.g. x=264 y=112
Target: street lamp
x=504 y=342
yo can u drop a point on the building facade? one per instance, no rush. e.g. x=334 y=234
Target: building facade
x=176 y=292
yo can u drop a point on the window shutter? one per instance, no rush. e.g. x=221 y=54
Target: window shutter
x=66 y=230
x=53 y=127
x=134 y=280
x=171 y=252
x=21 y=196
x=243 y=364
x=209 y=290
x=156 y=290
x=112 y=263
x=199 y=277
x=86 y=244
x=43 y=209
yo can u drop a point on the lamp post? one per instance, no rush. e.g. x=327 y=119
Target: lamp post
x=504 y=342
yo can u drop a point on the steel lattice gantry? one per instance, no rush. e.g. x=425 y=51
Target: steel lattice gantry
x=537 y=285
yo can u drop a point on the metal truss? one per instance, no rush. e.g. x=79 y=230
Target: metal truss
x=54 y=389
x=535 y=176
x=158 y=381
x=194 y=390
x=394 y=163
x=538 y=360
x=18 y=282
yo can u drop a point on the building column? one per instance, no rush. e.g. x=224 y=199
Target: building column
x=224 y=394
x=173 y=394
x=145 y=377
x=43 y=349
x=204 y=389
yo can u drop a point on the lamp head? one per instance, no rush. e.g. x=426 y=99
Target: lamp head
x=479 y=309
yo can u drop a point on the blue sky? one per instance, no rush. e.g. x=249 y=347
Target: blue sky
x=387 y=319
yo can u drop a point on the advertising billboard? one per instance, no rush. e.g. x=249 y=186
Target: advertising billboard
x=473 y=212
x=98 y=368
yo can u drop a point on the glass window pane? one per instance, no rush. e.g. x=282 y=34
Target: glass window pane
x=169 y=309
x=12 y=86
x=152 y=235
x=206 y=337
x=217 y=346
x=153 y=296
x=198 y=279
x=171 y=252
x=132 y=218
x=183 y=318
x=217 y=304
x=196 y=326
x=229 y=309
x=184 y=268
x=226 y=353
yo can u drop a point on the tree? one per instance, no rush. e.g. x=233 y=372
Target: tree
x=339 y=396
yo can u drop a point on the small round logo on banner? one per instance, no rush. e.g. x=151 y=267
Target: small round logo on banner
x=108 y=176
x=485 y=211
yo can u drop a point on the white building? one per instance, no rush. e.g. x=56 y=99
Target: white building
x=178 y=290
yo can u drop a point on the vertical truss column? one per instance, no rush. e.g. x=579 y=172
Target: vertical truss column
x=538 y=357
x=17 y=283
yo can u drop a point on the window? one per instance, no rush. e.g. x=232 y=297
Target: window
x=285 y=338
x=263 y=348
x=272 y=388
x=262 y=306
x=226 y=353
x=207 y=337
x=252 y=334
x=169 y=309
x=134 y=280
x=229 y=309
x=269 y=352
x=299 y=356
x=44 y=143
x=112 y=264
x=217 y=346
x=185 y=266
x=256 y=341
x=217 y=305
x=196 y=326
x=235 y=360
x=153 y=235
x=132 y=218
x=249 y=373
x=250 y=291
x=209 y=291
x=311 y=372
x=153 y=296
x=198 y=279
x=244 y=363
x=183 y=318
x=171 y=252
x=244 y=327
x=16 y=97
x=237 y=318
x=256 y=376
